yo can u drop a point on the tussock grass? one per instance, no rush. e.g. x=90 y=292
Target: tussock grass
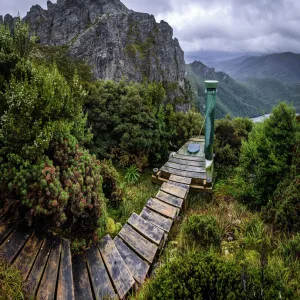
x=11 y=283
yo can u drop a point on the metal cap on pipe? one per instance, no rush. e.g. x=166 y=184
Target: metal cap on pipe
x=211 y=84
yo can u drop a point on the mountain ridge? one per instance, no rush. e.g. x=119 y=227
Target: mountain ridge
x=240 y=99
x=115 y=41
x=283 y=66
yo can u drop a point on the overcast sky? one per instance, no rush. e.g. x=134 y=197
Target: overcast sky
x=222 y=25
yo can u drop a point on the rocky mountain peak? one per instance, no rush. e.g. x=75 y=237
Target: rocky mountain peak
x=115 y=41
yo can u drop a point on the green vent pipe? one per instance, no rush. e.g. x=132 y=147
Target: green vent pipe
x=211 y=94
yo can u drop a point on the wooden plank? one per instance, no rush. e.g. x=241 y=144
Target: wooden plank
x=157 y=219
x=187 y=162
x=48 y=283
x=122 y=279
x=39 y=266
x=174 y=190
x=185 y=186
x=138 y=243
x=197 y=139
x=189 y=157
x=65 y=288
x=169 y=199
x=181 y=179
x=136 y=266
x=5 y=230
x=13 y=244
x=147 y=229
x=82 y=287
x=26 y=258
x=183 y=173
x=101 y=283
x=185 y=167
x=162 y=208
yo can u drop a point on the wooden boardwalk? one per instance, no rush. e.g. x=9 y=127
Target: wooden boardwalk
x=182 y=164
x=112 y=268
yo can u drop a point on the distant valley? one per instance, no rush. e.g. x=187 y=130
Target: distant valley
x=281 y=66
x=251 y=98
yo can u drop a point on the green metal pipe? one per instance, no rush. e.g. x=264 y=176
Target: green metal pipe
x=211 y=95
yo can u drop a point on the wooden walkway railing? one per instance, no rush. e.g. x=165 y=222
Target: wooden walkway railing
x=111 y=268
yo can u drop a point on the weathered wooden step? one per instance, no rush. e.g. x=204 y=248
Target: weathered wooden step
x=174 y=190
x=26 y=258
x=39 y=266
x=147 y=229
x=169 y=199
x=136 y=265
x=188 y=174
x=101 y=283
x=65 y=288
x=185 y=162
x=47 y=286
x=162 y=208
x=122 y=279
x=138 y=243
x=189 y=157
x=82 y=287
x=13 y=244
x=180 y=179
x=157 y=219
x=186 y=168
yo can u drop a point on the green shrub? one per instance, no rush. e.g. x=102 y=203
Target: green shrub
x=127 y=122
x=229 y=135
x=111 y=184
x=203 y=230
x=208 y=276
x=42 y=161
x=267 y=156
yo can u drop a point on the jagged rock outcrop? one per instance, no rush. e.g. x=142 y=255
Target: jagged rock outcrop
x=117 y=42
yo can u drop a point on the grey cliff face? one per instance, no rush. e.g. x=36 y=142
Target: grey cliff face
x=117 y=42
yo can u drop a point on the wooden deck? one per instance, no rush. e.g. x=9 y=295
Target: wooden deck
x=182 y=164
x=113 y=267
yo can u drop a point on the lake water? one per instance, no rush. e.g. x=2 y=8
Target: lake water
x=262 y=118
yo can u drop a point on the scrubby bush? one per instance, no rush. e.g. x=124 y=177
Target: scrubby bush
x=42 y=160
x=267 y=156
x=111 y=184
x=208 y=276
x=127 y=123
x=229 y=134
x=202 y=230
x=181 y=126
x=283 y=209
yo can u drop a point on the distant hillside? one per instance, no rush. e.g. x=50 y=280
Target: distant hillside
x=281 y=66
x=246 y=99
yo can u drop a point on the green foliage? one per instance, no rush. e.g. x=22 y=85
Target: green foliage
x=11 y=282
x=111 y=184
x=229 y=135
x=132 y=175
x=202 y=229
x=291 y=249
x=42 y=162
x=181 y=126
x=127 y=122
x=267 y=156
x=283 y=209
x=208 y=276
